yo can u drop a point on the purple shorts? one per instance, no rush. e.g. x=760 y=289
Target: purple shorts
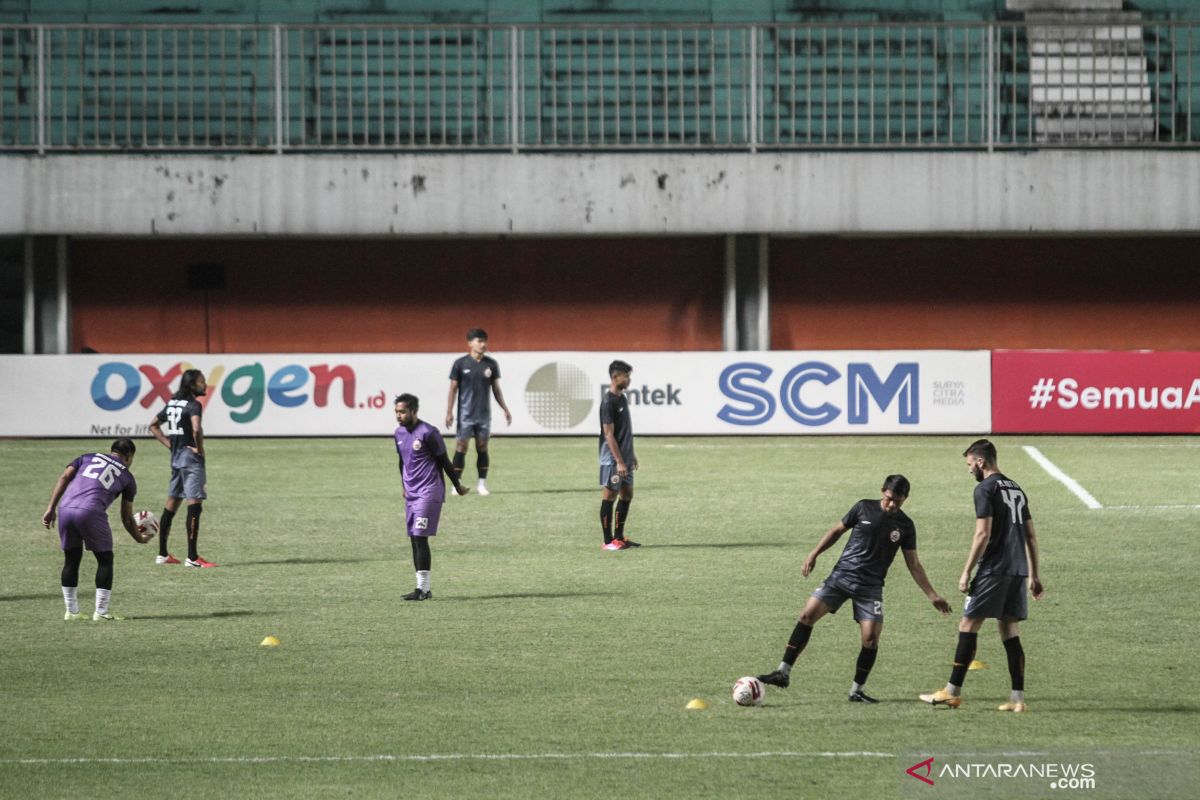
x=81 y=525
x=422 y=516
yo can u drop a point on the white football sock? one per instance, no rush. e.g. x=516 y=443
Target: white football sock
x=423 y=580
x=953 y=690
x=71 y=598
x=1017 y=696
x=785 y=668
x=102 y=596
x=855 y=687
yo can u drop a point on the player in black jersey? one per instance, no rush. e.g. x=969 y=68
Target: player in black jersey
x=474 y=379
x=1005 y=546
x=184 y=435
x=618 y=461
x=878 y=529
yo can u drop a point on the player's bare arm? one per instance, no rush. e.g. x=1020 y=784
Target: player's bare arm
x=826 y=542
x=917 y=570
x=499 y=395
x=60 y=486
x=1031 y=551
x=130 y=525
x=157 y=433
x=198 y=435
x=611 y=439
x=983 y=533
x=450 y=402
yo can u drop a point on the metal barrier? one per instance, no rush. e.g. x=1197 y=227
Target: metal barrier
x=743 y=87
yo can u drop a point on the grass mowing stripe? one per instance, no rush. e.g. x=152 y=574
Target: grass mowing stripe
x=436 y=757
x=1065 y=479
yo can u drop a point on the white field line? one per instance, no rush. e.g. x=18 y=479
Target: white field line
x=1168 y=507
x=1062 y=477
x=451 y=757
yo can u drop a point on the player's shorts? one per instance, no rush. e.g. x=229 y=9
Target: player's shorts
x=422 y=515
x=473 y=430
x=867 y=606
x=609 y=478
x=188 y=476
x=84 y=526
x=997 y=596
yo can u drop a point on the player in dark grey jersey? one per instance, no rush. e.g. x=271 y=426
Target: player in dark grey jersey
x=878 y=529
x=178 y=427
x=1005 y=547
x=474 y=378
x=617 y=459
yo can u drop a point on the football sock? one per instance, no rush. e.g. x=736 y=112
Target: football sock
x=606 y=514
x=963 y=656
x=619 y=519
x=482 y=462
x=70 y=570
x=423 y=580
x=104 y=570
x=193 y=529
x=1016 y=696
x=866 y=660
x=71 y=598
x=458 y=461
x=102 y=597
x=164 y=530
x=797 y=643
x=1016 y=662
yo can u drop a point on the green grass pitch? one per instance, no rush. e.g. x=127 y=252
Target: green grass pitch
x=545 y=667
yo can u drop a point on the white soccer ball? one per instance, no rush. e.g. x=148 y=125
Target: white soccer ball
x=748 y=691
x=146 y=522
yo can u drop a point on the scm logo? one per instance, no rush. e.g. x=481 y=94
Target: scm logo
x=245 y=389
x=744 y=384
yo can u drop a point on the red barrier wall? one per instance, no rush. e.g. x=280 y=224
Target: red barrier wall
x=360 y=295
x=1106 y=293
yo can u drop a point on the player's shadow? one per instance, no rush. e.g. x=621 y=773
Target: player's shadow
x=199 y=615
x=542 y=491
x=298 y=560
x=524 y=596
x=722 y=544
x=13 y=598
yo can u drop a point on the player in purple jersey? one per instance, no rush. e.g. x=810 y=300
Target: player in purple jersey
x=1006 y=549
x=80 y=501
x=423 y=460
x=878 y=529
x=184 y=436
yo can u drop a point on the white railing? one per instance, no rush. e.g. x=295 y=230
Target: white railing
x=538 y=87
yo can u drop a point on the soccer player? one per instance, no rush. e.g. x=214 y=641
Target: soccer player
x=80 y=501
x=422 y=461
x=617 y=459
x=471 y=378
x=184 y=436
x=878 y=529
x=1005 y=546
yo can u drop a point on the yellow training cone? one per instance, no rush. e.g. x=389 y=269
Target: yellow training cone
x=974 y=665
x=270 y=641
x=697 y=704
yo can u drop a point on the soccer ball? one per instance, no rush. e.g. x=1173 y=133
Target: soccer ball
x=146 y=522
x=748 y=691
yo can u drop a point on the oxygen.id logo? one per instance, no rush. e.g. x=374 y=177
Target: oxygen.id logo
x=558 y=396
x=246 y=389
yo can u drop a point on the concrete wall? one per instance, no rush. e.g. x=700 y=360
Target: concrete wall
x=1104 y=191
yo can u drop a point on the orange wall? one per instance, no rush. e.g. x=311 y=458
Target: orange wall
x=399 y=295
x=1096 y=293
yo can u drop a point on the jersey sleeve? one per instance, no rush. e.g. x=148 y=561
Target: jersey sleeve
x=908 y=538
x=495 y=371
x=983 y=502
x=130 y=490
x=162 y=415
x=456 y=370
x=853 y=516
x=433 y=441
x=606 y=412
x=195 y=409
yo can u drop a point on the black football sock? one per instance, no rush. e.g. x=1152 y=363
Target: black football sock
x=104 y=570
x=866 y=660
x=482 y=462
x=619 y=520
x=796 y=643
x=606 y=515
x=458 y=462
x=164 y=530
x=70 y=570
x=1016 y=662
x=964 y=654
x=422 y=556
x=193 y=529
